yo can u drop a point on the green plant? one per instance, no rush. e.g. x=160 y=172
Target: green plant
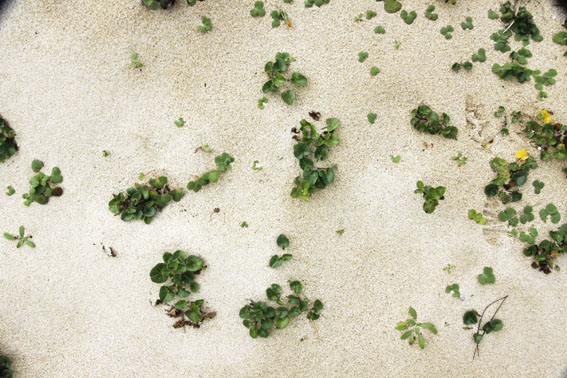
x=520 y=23
x=508 y=215
x=467 y=24
x=397 y=44
x=429 y=13
x=105 y=153
x=395 y=158
x=10 y=190
x=408 y=18
x=487 y=276
x=278 y=16
x=261 y=102
x=550 y=137
x=493 y=15
x=561 y=38
x=341 y=231
x=282 y=241
x=362 y=56
x=454 y=288
x=379 y=30
x=43 y=186
x=223 y=163
x=309 y=3
x=260 y=318
x=521 y=56
x=207 y=25
x=312 y=143
x=374 y=71
x=466 y=65
x=258 y=10
x=545 y=253
x=244 y=225
x=460 y=159
x=255 y=166
x=155 y=4
x=424 y=119
x=21 y=238
x=500 y=39
x=135 y=63
x=415 y=329
x=5 y=364
x=180 y=122
x=493 y=325
x=530 y=236
x=538 y=186
x=204 y=148
x=551 y=211
x=480 y=56
x=447 y=30
x=432 y=196
x=144 y=201
x=477 y=217
x=180 y=271
x=372 y=117
x=449 y=268
x=509 y=176
x=370 y=14
x=276 y=79
x=391 y=6
x=500 y=111
x=528 y=215
x=276 y=260
x=8 y=146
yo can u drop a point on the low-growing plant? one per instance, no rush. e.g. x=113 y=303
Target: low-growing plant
x=466 y=65
x=391 y=6
x=429 y=13
x=207 y=25
x=493 y=15
x=471 y=317
x=460 y=159
x=477 y=217
x=538 y=186
x=550 y=211
x=480 y=56
x=397 y=44
x=520 y=23
x=310 y=3
x=454 y=289
x=449 y=268
x=408 y=17
x=467 y=24
x=528 y=215
x=282 y=241
x=260 y=318
x=21 y=238
x=261 y=102
x=179 y=122
x=276 y=79
x=255 y=166
x=278 y=16
x=164 y=4
x=432 y=196
x=370 y=14
x=10 y=190
x=413 y=329
x=204 y=147
x=508 y=215
x=5 y=365
x=223 y=163
x=498 y=113
x=276 y=260
x=550 y=137
x=379 y=30
x=362 y=56
x=372 y=117
x=244 y=224
x=509 y=176
x=530 y=236
x=316 y=145
x=487 y=276
x=258 y=10
x=561 y=37
x=396 y=158
x=545 y=253
x=341 y=231
x=374 y=71
x=8 y=145
x=134 y=62
x=144 y=201
x=180 y=271
x=424 y=119
x=43 y=187
x=447 y=30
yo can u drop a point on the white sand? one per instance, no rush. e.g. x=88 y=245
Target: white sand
x=67 y=310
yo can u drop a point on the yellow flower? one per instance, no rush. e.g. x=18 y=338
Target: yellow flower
x=546 y=116
x=522 y=155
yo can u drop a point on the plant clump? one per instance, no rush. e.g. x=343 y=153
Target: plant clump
x=424 y=119
x=21 y=238
x=43 y=187
x=310 y=3
x=431 y=195
x=413 y=329
x=223 y=163
x=275 y=71
x=8 y=145
x=164 y=4
x=550 y=137
x=545 y=252
x=144 y=201
x=509 y=176
x=5 y=364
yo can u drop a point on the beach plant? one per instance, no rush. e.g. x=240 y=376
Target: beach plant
x=520 y=23
x=472 y=317
x=10 y=190
x=528 y=215
x=538 y=186
x=278 y=16
x=206 y=26
x=358 y=18
x=43 y=187
x=397 y=44
x=282 y=241
x=391 y=6
x=255 y=166
x=258 y=10
x=310 y=3
x=313 y=145
x=5 y=365
x=374 y=71
x=204 y=147
x=530 y=236
x=561 y=38
x=21 y=238
x=395 y=158
x=477 y=217
x=480 y=56
x=425 y=120
x=498 y=113
x=276 y=260
x=362 y=56
x=276 y=80
x=340 y=232
x=508 y=215
x=467 y=24
x=431 y=195
x=447 y=30
x=179 y=271
x=449 y=268
x=453 y=290
x=370 y=14
x=429 y=13
x=408 y=17
x=550 y=211
x=487 y=276
x=261 y=102
x=550 y=137
x=261 y=317
x=509 y=176
x=466 y=65
x=545 y=253
x=134 y=61
x=493 y=15
x=8 y=145
x=244 y=224
x=379 y=30
x=223 y=163
x=414 y=330
x=144 y=201
x=460 y=159
x=164 y=4
x=372 y=117
x=179 y=122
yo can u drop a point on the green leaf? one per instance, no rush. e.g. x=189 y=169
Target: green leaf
x=372 y=117
x=9 y=236
x=36 y=165
x=470 y=317
x=282 y=241
x=421 y=341
x=289 y=96
x=159 y=273
x=412 y=312
x=374 y=71
x=332 y=123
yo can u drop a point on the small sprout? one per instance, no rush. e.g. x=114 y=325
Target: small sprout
x=374 y=71
x=530 y=236
x=207 y=25
x=135 y=63
x=480 y=56
x=21 y=238
x=538 y=186
x=362 y=56
x=278 y=16
x=470 y=317
x=258 y=10
x=408 y=17
x=429 y=13
x=528 y=215
x=341 y=231
x=358 y=18
x=8 y=146
x=508 y=215
x=379 y=30
x=467 y=24
x=204 y=148
x=447 y=30
x=372 y=117
x=244 y=225
x=415 y=329
x=487 y=276
x=492 y=15
x=105 y=153
x=261 y=102
x=180 y=122
x=424 y=119
x=509 y=176
x=449 y=268
x=141 y=176
x=466 y=65
x=477 y=217
x=499 y=112
x=397 y=44
x=309 y=3
x=396 y=158
x=370 y=14
x=551 y=211
x=276 y=79
x=10 y=190
x=223 y=163
x=43 y=186
x=282 y=241
x=36 y=165
x=454 y=288
x=256 y=167
x=460 y=159
x=431 y=195
x=276 y=260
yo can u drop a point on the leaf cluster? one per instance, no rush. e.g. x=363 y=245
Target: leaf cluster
x=310 y=3
x=278 y=16
x=413 y=329
x=467 y=24
x=223 y=163
x=21 y=238
x=5 y=364
x=521 y=23
x=477 y=217
x=471 y=317
x=509 y=176
x=43 y=186
x=454 y=288
x=275 y=71
x=258 y=10
x=8 y=146
x=429 y=13
x=551 y=139
x=207 y=25
x=487 y=276
x=424 y=119
x=538 y=186
x=545 y=253
x=432 y=196
x=447 y=30
x=550 y=211
x=408 y=17
x=276 y=260
x=391 y=6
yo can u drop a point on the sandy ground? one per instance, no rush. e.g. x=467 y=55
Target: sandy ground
x=66 y=309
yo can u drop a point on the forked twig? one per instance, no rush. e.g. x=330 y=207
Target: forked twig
x=501 y=300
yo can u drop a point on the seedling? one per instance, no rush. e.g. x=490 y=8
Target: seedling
x=309 y=3
x=429 y=13
x=391 y=6
x=258 y=10
x=538 y=186
x=5 y=364
x=155 y=4
x=508 y=215
x=447 y=30
x=8 y=146
x=362 y=56
x=396 y=158
x=374 y=71
x=276 y=260
x=509 y=176
x=278 y=16
x=520 y=23
x=528 y=215
x=180 y=271
x=341 y=231
x=105 y=153
x=487 y=276
x=223 y=163
x=372 y=117
x=312 y=143
x=545 y=253
x=408 y=17
x=424 y=119
x=550 y=211
x=499 y=112
x=244 y=224
x=10 y=190
x=358 y=18
x=460 y=159
x=135 y=63
x=256 y=167
x=550 y=137
x=260 y=318
x=449 y=268
x=561 y=38
x=415 y=329
x=477 y=217
x=204 y=148
x=432 y=196
x=467 y=24
x=207 y=25
x=379 y=30
x=275 y=72
x=144 y=201
x=282 y=241
x=454 y=288
x=521 y=56
x=480 y=56
x=530 y=236
x=21 y=238
x=43 y=187
x=397 y=44
x=180 y=122
x=370 y=14
x=493 y=325
x=466 y=65
x=493 y=15
x=261 y=102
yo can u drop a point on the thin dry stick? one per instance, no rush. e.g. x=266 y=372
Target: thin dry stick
x=503 y=299
x=516 y=8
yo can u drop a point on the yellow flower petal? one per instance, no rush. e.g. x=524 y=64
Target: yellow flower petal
x=522 y=155
x=546 y=116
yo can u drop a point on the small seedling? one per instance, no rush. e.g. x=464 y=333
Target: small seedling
x=528 y=215
x=258 y=10
x=43 y=187
x=8 y=146
x=493 y=15
x=244 y=224
x=276 y=260
x=477 y=217
x=260 y=318
x=105 y=153
x=480 y=56
x=379 y=30
x=471 y=317
x=487 y=276
x=466 y=65
x=424 y=119
x=454 y=288
x=550 y=211
x=467 y=24
x=397 y=44
x=180 y=122
x=256 y=167
x=205 y=148
x=372 y=117
x=180 y=271
x=155 y=4
x=21 y=238
x=449 y=268
x=358 y=18
x=561 y=38
x=391 y=6
x=223 y=163
x=10 y=190
x=415 y=329
x=408 y=17
x=144 y=201
x=521 y=56
x=530 y=236
x=362 y=56
x=538 y=186
x=5 y=364
x=341 y=231
x=396 y=158
x=374 y=71
x=508 y=215
x=135 y=63
x=460 y=159
x=275 y=72
x=432 y=196
x=370 y=14
x=278 y=16
x=282 y=241
x=447 y=30
x=207 y=25
x=309 y=3
x=429 y=13
x=499 y=112
x=261 y=102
